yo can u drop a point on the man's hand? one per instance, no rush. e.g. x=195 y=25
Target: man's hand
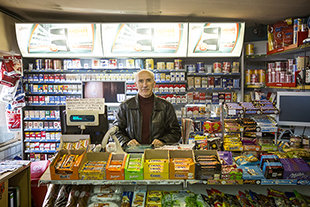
x=133 y=142
x=157 y=143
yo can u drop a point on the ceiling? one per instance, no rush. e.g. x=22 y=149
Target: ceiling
x=250 y=11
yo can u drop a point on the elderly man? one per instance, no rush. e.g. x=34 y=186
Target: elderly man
x=146 y=118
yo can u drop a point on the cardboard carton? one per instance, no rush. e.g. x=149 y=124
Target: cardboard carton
x=113 y=173
x=134 y=173
x=150 y=164
x=94 y=156
x=188 y=171
x=66 y=176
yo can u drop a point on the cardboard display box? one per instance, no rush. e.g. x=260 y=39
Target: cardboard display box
x=156 y=164
x=134 y=173
x=211 y=171
x=94 y=175
x=66 y=176
x=113 y=172
x=188 y=170
x=72 y=138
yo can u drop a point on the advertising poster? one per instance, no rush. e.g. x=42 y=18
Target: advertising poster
x=215 y=39
x=59 y=40
x=144 y=39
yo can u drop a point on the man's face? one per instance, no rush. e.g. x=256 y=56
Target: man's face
x=145 y=84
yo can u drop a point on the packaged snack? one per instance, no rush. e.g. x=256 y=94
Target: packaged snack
x=50 y=195
x=73 y=196
x=127 y=199
x=139 y=196
x=62 y=196
x=84 y=196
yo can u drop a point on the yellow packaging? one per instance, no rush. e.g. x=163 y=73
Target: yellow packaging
x=156 y=164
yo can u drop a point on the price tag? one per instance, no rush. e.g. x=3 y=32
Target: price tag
x=232 y=112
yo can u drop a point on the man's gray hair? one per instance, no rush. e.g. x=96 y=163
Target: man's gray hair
x=144 y=70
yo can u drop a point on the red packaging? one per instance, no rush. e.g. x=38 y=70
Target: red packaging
x=32 y=135
x=13 y=118
x=288 y=36
x=42 y=99
x=38 y=135
x=35 y=99
x=43 y=134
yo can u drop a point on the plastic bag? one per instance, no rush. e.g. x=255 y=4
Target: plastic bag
x=63 y=196
x=13 y=118
x=11 y=70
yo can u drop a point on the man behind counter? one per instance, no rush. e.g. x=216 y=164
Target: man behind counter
x=146 y=118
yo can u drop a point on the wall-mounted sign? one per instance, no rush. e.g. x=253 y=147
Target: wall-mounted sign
x=215 y=39
x=59 y=40
x=144 y=39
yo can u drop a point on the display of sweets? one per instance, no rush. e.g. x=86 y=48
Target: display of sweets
x=93 y=170
x=134 y=163
x=65 y=163
x=81 y=144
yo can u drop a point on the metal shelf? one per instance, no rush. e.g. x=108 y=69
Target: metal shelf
x=213 y=74
x=53 y=93
x=47 y=130
x=41 y=119
x=53 y=82
x=40 y=151
x=168 y=70
x=82 y=70
x=46 y=104
x=41 y=140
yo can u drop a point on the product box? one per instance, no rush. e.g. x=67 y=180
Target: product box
x=295 y=168
x=94 y=173
x=156 y=164
x=207 y=164
x=74 y=175
x=134 y=167
x=251 y=172
x=273 y=170
x=115 y=169
x=182 y=165
x=73 y=139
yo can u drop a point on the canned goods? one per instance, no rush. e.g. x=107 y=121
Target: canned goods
x=178 y=64
x=113 y=63
x=170 y=65
x=130 y=63
x=104 y=63
x=235 y=67
x=139 y=63
x=236 y=83
x=211 y=82
x=277 y=77
x=217 y=82
x=39 y=64
x=261 y=74
x=271 y=66
x=217 y=67
x=249 y=50
x=161 y=66
x=226 y=67
x=269 y=79
x=149 y=64
x=162 y=76
x=57 y=64
x=248 y=74
x=200 y=67
x=208 y=68
x=191 y=68
x=282 y=77
x=48 y=64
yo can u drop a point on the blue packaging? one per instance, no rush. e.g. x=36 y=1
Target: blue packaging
x=57 y=99
x=62 y=99
x=52 y=99
x=139 y=63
